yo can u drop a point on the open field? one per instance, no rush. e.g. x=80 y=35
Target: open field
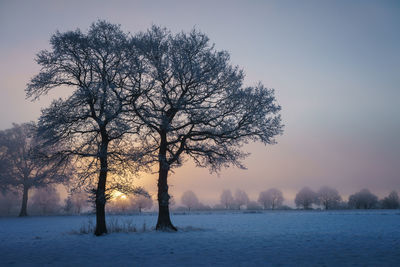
x=364 y=238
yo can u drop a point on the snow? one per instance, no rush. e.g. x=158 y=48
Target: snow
x=301 y=238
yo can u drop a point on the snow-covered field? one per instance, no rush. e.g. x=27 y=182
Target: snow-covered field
x=288 y=238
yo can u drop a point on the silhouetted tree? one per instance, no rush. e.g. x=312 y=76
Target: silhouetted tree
x=392 y=201
x=91 y=125
x=328 y=197
x=46 y=200
x=227 y=199
x=190 y=200
x=271 y=199
x=241 y=198
x=195 y=105
x=305 y=198
x=23 y=168
x=363 y=200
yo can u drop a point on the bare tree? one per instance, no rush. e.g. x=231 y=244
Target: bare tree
x=305 y=198
x=328 y=197
x=392 y=201
x=91 y=126
x=196 y=106
x=141 y=202
x=241 y=198
x=46 y=200
x=271 y=199
x=190 y=200
x=227 y=199
x=23 y=168
x=363 y=200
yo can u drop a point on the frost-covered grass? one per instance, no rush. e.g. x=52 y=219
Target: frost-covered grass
x=114 y=225
x=364 y=238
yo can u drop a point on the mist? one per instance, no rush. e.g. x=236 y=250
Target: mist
x=335 y=79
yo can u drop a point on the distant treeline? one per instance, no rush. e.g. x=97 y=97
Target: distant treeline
x=326 y=198
x=47 y=201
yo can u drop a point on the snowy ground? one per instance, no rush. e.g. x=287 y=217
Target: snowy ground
x=294 y=238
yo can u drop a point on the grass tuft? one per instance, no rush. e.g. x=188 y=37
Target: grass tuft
x=114 y=225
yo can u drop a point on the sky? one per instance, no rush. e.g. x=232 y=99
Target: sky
x=335 y=66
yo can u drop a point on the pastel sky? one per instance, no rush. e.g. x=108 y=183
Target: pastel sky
x=335 y=66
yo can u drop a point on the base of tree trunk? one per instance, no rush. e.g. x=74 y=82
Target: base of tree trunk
x=164 y=221
x=100 y=231
x=23 y=214
x=166 y=227
x=101 y=227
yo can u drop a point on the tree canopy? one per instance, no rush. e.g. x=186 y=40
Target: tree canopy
x=92 y=125
x=151 y=98
x=196 y=106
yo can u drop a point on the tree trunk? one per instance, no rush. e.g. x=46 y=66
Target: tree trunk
x=24 y=205
x=164 y=221
x=101 y=227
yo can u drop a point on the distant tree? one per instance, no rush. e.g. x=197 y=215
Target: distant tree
x=196 y=106
x=141 y=202
x=305 y=198
x=328 y=197
x=46 y=200
x=91 y=125
x=363 y=200
x=241 y=198
x=22 y=167
x=76 y=201
x=190 y=200
x=392 y=201
x=271 y=199
x=227 y=199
